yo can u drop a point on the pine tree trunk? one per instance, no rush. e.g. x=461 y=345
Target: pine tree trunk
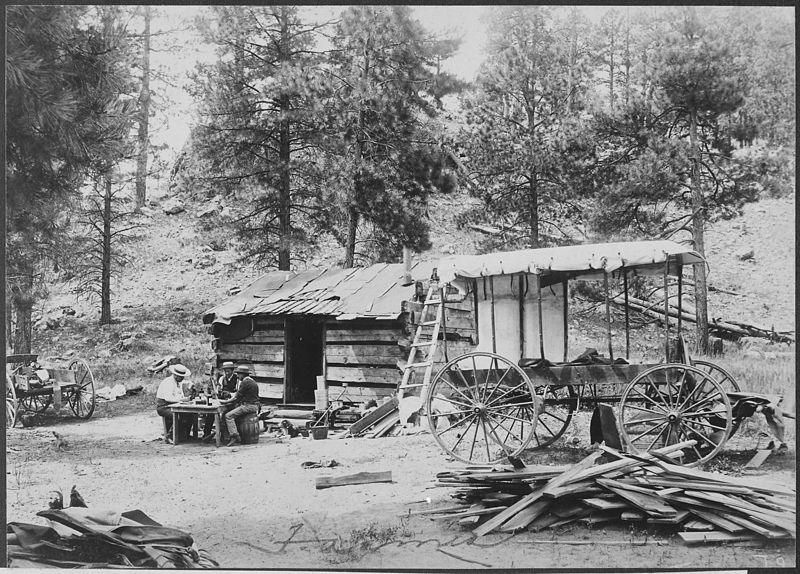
x=22 y=302
x=353 y=215
x=698 y=225
x=284 y=201
x=105 y=273
x=144 y=117
x=533 y=214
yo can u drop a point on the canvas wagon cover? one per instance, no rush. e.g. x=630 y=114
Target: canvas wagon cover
x=606 y=257
x=361 y=292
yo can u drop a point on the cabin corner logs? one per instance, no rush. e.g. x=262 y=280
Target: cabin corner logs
x=287 y=353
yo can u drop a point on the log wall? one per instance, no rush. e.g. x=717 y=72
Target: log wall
x=364 y=354
x=263 y=351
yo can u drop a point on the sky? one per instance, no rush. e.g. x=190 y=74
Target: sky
x=467 y=22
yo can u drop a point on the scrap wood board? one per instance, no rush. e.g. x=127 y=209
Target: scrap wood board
x=358 y=478
x=725 y=509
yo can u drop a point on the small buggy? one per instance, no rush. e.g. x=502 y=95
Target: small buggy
x=31 y=389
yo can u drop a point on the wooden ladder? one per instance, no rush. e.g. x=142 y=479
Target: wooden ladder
x=426 y=336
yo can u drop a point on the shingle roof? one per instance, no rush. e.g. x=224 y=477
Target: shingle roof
x=361 y=292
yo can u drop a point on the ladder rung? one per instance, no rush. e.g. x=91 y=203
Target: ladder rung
x=422 y=344
x=427 y=323
x=412 y=385
x=423 y=364
x=432 y=302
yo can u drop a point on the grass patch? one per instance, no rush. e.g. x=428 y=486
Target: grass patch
x=363 y=541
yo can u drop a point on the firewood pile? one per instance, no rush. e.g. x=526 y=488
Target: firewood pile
x=648 y=489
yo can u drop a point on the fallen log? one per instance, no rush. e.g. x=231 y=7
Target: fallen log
x=734 y=330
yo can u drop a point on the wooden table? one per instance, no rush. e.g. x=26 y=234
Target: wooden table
x=197 y=409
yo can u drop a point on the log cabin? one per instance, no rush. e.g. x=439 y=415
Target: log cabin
x=352 y=326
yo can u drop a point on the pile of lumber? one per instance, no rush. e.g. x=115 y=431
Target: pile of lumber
x=376 y=423
x=649 y=489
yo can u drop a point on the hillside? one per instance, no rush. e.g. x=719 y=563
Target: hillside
x=174 y=276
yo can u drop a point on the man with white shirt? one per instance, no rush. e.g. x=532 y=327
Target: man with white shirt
x=170 y=392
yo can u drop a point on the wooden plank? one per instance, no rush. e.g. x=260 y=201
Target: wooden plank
x=363 y=336
x=384 y=425
x=753 y=527
x=759 y=458
x=693 y=473
x=525 y=516
x=268 y=370
x=698 y=526
x=358 y=478
x=370 y=419
x=600 y=517
x=270 y=391
x=682 y=484
x=245 y=352
x=358 y=374
x=679 y=517
x=603 y=504
x=714 y=537
x=357 y=394
x=633 y=516
x=649 y=504
x=763 y=516
x=386 y=355
x=534 y=496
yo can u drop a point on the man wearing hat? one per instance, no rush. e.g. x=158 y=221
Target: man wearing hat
x=228 y=381
x=170 y=392
x=246 y=402
x=225 y=386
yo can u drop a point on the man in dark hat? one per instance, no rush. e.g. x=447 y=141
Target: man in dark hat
x=246 y=401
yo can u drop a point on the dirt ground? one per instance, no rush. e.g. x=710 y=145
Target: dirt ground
x=256 y=506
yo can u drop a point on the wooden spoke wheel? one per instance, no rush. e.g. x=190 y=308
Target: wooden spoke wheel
x=81 y=397
x=556 y=405
x=11 y=403
x=35 y=403
x=673 y=403
x=481 y=408
x=725 y=379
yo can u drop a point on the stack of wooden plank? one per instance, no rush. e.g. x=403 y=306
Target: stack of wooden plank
x=649 y=488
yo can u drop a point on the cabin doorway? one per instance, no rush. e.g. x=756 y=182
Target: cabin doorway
x=304 y=359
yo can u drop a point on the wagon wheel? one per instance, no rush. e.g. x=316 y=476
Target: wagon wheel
x=481 y=409
x=556 y=405
x=673 y=403
x=35 y=403
x=81 y=398
x=725 y=379
x=11 y=403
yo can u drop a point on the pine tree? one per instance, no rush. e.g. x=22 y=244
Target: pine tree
x=260 y=126
x=384 y=82
x=45 y=154
x=524 y=136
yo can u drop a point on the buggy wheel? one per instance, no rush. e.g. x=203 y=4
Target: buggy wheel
x=725 y=379
x=557 y=403
x=674 y=403
x=11 y=403
x=36 y=403
x=81 y=398
x=481 y=408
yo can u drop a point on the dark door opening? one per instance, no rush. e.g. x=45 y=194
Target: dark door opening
x=304 y=354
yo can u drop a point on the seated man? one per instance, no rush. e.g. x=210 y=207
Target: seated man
x=246 y=401
x=228 y=381
x=170 y=392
